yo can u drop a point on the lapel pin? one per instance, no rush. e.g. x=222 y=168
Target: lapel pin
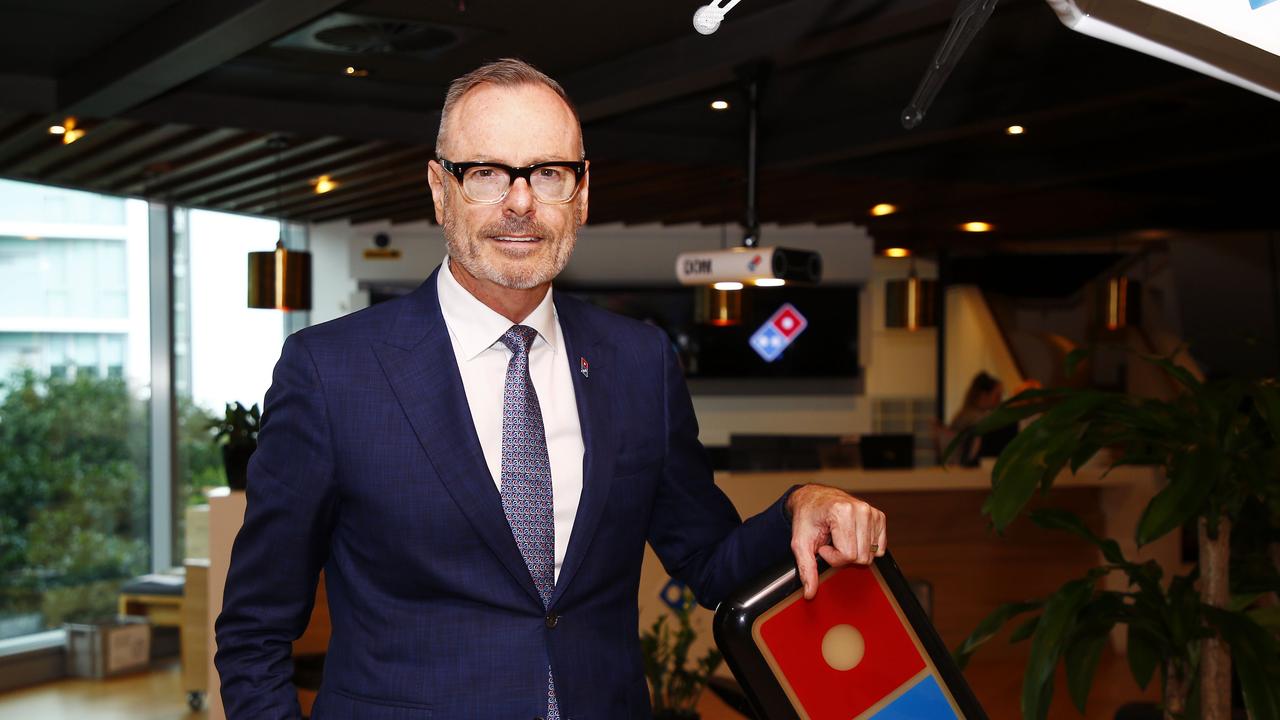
x=582 y=365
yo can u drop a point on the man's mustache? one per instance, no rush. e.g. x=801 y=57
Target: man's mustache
x=515 y=226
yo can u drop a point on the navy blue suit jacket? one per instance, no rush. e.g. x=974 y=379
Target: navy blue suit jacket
x=369 y=467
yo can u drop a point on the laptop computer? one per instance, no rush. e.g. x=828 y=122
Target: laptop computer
x=890 y=450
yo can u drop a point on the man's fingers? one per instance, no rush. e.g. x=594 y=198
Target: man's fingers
x=806 y=565
x=882 y=537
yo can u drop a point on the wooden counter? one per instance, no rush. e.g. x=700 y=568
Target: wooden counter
x=938 y=534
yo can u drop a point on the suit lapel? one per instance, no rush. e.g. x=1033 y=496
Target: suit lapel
x=419 y=363
x=595 y=416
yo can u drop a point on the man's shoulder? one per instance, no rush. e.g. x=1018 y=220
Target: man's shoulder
x=354 y=329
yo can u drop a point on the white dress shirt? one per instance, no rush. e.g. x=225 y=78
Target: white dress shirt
x=475 y=331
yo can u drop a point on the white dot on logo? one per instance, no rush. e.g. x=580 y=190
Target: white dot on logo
x=843 y=647
x=788 y=323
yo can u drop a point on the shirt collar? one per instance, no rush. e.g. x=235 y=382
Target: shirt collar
x=476 y=327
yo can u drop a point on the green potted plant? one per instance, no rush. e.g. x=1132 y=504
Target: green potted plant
x=674 y=684
x=1219 y=446
x=237 y=431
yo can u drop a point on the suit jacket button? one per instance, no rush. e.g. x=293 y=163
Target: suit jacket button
x=552 y=620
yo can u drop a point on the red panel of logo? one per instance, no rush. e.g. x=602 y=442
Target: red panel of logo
x=843 y=651
x=789 y=321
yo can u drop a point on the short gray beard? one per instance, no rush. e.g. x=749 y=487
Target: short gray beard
x=468 y=256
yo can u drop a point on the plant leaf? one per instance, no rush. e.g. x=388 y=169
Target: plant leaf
x=1268 y=618
x=1036 y=455
x=1059 y=519
x=989 y=626
x=1082 y=662
x=1056 y=622
x=1178 y=372
x=1025 y=630
x=1074 y=358
x=1191 y=482
x=1143 y=656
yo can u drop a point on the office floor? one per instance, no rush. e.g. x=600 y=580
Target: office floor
x=153 y=695
x=157 y=695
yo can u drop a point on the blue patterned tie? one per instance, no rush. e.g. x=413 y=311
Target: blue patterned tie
x=526 y=476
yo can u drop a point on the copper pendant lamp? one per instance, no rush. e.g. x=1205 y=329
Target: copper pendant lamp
x=910 y=302
x=280 y=279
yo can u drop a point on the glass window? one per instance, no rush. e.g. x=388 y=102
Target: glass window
x=224 y=351
x=74 y=395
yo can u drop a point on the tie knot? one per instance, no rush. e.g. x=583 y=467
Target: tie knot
x=519 y=338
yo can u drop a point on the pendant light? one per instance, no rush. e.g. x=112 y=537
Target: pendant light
x=718 y=306
x=280 y=279
x=909 y=302
x=1120 y=303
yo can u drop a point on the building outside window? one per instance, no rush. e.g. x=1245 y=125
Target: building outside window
x=75 y=386
x=76 y=480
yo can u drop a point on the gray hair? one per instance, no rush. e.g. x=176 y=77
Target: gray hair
x=507 y=72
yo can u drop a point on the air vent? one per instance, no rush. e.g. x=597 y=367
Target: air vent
x=385 y=38
x=352 y=34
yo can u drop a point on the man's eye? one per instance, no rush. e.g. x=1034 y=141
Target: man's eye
x=549 y=172
x=482 y=172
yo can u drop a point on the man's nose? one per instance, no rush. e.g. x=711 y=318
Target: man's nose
x=519 y=200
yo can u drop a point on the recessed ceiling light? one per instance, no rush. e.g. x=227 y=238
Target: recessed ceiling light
x=770 y=282
x=353 y=71
x=57 y=129
x=884 y=209
x=324 y=184
x=72 y=135
x=1014 y=130
x=719 y=104
x=977 y=226
x=897 y=252
x=728 y=285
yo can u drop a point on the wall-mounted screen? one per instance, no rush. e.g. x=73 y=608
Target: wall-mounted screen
x=827 y=347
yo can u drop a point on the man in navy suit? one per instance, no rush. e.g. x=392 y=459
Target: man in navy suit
x=478 y=465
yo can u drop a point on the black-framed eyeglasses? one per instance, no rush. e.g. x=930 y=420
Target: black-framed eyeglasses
x=554 y=182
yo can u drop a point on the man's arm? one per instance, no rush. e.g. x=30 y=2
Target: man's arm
x=695 y=529
x=281 y=547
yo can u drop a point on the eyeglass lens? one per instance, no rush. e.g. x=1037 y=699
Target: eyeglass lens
x=550 y=184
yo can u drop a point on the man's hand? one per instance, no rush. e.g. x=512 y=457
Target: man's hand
x=831 y=523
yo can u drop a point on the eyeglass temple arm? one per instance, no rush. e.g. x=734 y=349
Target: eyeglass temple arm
x=969 y=18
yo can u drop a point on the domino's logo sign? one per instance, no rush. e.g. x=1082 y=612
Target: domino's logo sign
x=778 y=332
x=754 y=263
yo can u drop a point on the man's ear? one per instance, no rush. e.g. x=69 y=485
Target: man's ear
x=583 y=195
x=435 y=178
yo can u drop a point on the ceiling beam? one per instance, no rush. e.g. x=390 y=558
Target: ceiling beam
x=694 y=63
x=273 y=115
x=389 y=179
x=345 y=167
x=95 y=148
x=170 y=142
x=181 y=42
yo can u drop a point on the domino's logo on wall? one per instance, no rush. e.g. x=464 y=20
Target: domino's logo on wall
x=778 y=332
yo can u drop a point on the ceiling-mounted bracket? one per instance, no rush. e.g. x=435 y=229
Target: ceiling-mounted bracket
x=970 y=16
x=752 y=76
